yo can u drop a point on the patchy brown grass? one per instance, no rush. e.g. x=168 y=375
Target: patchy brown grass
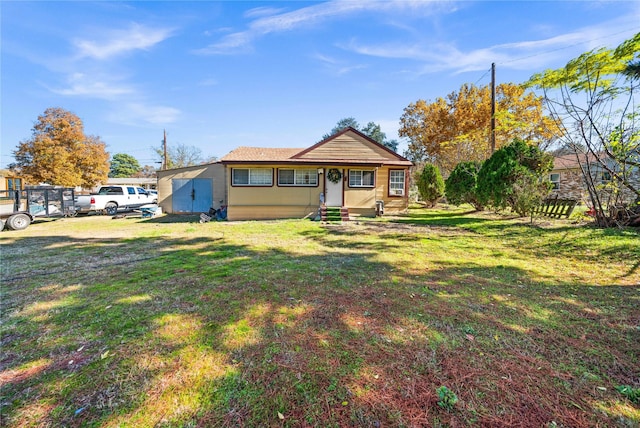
x=170 y=322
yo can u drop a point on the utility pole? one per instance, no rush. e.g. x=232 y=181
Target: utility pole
x=493 y=107
x=164 y=148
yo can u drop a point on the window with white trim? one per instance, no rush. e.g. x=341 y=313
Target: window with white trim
x=555 y=180
x=252 y=177
x=396 y=182
x=297 y=177
x=361 y=178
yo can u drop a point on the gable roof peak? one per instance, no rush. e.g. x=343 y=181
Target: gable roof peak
x=358 y=134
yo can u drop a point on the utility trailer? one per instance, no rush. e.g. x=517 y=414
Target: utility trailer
x=19 y=208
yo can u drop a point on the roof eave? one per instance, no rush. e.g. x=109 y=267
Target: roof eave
x=315 y=162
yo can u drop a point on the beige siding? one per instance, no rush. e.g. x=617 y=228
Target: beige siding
x=270 y=212
x=349 y=147
x=360 y=198
x=247 y=203
x=269 y=202
x=395 y=205
x=6 y=174
x=214 y=171
x=363 y=201
x=392 y=204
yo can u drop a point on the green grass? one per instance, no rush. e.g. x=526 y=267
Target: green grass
x=169 y=322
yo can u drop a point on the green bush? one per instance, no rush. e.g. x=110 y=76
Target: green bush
x=514 y=177
x=430 y=184
x=460 y=186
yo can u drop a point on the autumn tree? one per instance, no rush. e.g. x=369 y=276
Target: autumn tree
x=594 y=100
x=371 y=130
x=60 y=153
x=457 y=128
x=123 y=165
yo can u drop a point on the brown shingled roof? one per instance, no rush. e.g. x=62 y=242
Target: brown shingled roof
x=565 y=162
x=573 y=161
x=333 y=156
x=252 y=154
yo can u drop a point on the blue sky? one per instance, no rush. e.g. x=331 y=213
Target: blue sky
x=218 y=75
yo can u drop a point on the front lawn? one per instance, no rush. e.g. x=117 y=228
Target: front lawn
x=169 y=322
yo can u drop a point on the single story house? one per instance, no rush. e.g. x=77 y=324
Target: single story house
x=568 y=180
x=347 y=170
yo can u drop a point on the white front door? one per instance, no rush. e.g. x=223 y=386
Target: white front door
x=333 y=191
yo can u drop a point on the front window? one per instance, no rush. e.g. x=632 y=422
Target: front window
x=555 y=181
x=396 y=183
x=252 y=176
x=297 y=177
x=361 y=178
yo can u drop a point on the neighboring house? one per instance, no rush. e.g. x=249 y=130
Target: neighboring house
x=568 y=180
x=10 y=181
x=348 y=170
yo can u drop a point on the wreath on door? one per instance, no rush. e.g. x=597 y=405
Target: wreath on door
x=334 y=175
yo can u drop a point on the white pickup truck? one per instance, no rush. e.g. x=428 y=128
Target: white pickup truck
x=110 y=199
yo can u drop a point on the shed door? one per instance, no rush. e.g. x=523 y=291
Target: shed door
x=191 y=195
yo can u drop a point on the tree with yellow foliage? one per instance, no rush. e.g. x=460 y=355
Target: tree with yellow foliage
x=60 y=153
x=457 y=128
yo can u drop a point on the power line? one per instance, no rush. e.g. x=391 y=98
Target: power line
x=482 y=77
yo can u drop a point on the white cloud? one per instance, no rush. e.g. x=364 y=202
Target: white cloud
x=208 y=82
x=117 y=42
x=259 y=12
x=135 y=114
x=438 y=57
x=307 y=16
x=80 y=84
x=335 y=66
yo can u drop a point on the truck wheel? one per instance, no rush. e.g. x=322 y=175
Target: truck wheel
x=1 y=224
x=18 y=221
x=111 y=208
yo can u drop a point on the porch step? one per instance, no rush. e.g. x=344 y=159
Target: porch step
x=334 y=213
